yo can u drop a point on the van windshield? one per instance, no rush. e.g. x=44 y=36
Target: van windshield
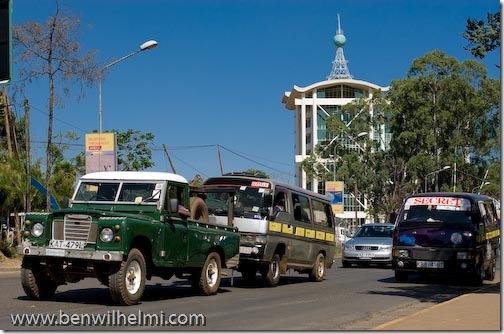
x=248 y=203
x=437 y=210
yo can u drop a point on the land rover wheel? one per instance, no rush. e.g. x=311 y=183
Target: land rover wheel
x=318 y=271
x=127 y=284
x=34 y=285
x=400 y=276
x=271 y=272
x=208 y=280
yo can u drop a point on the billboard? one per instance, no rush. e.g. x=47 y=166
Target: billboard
x=101 y=152
x=334 y=190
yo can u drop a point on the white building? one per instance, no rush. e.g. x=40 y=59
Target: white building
x=313 y=104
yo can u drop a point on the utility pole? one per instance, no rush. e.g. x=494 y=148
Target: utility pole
x=220 y=160
x=28 y=155
x=169 y=158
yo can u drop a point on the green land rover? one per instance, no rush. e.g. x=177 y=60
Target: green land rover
x=124 y=228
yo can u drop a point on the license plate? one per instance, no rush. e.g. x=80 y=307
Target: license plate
x=366 y=255
x=67 y=244
x=430 y=264
x=245 y=250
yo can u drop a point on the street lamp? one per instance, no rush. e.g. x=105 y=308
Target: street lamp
x=145 y=46
x=434 y=172
x=480 y=187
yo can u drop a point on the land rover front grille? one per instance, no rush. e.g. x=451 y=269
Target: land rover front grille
x=75 y=227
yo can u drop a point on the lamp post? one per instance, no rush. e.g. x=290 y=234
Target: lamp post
x=145 y=46
x=434 y=172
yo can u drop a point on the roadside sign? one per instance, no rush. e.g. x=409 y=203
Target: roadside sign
x=101 y=152
x=334 y=190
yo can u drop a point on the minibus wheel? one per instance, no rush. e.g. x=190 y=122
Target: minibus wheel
x=271 y=272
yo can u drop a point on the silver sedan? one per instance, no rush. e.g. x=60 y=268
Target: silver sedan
x=372 y=243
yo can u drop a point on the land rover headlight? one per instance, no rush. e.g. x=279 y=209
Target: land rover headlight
x=37 y=230
x=106 y=235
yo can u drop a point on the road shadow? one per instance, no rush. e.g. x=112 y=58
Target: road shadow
x=101 y=296
x=239 y=282
x=433 y=289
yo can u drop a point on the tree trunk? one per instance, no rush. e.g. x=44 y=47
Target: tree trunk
x=17 y=228
x=49 y=142
x=28 y=156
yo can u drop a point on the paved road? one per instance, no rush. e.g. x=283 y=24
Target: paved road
x=353 y=298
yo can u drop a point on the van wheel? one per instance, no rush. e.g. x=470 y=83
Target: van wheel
x=478 y=275
x=490 y=272
x=199 y=209
x=400 y=276
x=318 y=272
x=127 y=284
x=208 y=280
x=271 y=272
x=34 y=285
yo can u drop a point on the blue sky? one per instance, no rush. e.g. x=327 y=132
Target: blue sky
x=221 y=67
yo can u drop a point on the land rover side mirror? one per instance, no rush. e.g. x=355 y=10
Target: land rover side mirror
x=283 y=217
x=173 y=205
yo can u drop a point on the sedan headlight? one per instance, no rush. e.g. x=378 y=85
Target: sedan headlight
x=348 y=247
x=388 y=247
x=37 y=230
x=106 y=235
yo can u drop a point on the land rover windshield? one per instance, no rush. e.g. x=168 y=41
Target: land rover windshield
x=125 y=192
x=436 y=210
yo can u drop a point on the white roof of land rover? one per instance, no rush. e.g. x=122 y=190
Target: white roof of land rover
x=134 y=176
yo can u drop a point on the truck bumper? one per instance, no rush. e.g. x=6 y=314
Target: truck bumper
x=109 y=256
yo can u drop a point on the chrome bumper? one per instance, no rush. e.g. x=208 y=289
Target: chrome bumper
x=70 y=253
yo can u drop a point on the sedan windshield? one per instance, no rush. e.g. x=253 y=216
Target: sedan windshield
x=374 y=231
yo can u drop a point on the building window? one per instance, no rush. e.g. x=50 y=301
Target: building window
x=339 y=91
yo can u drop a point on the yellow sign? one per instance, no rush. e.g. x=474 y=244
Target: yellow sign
x=335 y=189
x=99 y=142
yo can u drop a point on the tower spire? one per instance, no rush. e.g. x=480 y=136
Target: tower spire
x=339 y=64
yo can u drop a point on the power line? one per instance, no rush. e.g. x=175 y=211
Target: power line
x=189 y=165
x=59 y=120
x=256 y=162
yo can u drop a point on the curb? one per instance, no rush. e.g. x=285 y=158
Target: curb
x=392 y=322
x=10 y=270
x=380 y=327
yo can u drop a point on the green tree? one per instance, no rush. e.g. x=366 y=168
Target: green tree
x=257 y=172
x=51 y=51
x=134 y=150
x=444 y=112
x=197 y=181
x=483 y=36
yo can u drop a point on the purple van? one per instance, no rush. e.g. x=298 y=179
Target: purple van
x=446 y=233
